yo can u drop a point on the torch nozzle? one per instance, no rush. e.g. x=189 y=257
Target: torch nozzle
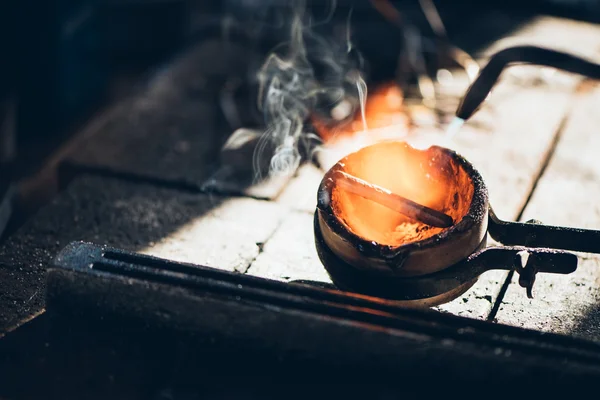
x=488 y=76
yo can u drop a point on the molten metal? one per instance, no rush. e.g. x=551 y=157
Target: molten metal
x=431 y=178
x=386 y=198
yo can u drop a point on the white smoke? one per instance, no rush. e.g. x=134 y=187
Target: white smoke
x=291 y=85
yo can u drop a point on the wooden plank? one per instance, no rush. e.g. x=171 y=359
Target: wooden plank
x=291 y=254
x=563 y=34
x=220 y=232
x=301 y=193
x=566 y=195
x=228 y=236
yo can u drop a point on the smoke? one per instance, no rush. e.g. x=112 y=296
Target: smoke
x=306 y=74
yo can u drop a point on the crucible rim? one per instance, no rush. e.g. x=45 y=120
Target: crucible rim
x=414 y=258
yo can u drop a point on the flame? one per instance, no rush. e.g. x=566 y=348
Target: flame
x=429 y=177
x=385 y=118
x=378 y=153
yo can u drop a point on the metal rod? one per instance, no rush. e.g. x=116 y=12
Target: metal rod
x=392 y=201
x=538 y=235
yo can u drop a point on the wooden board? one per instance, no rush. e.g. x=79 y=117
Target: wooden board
x=301 y=193
x=229 y=235
x=566 y=195
x=290 y=254
x=563 y=34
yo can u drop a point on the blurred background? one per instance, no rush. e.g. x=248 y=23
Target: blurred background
x=64 y=59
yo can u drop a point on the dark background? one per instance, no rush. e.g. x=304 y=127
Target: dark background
x=64 y=60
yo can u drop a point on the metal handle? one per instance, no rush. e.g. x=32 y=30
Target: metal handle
x=538 y=235
x=488 y=76
x=503 y=258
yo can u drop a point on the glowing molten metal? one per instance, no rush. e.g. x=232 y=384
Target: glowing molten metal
x=393 y=201
x=429 y=177
x=387 y=191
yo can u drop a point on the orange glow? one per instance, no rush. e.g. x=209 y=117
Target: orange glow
x=384 y=114
x=429 y=177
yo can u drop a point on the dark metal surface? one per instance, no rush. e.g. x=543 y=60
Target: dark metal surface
x=302 y=322
x=488 y=76
x=539 y=235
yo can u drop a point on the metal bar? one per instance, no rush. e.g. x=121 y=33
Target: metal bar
x=90 y=280
x=393 y=201
x=538 y=235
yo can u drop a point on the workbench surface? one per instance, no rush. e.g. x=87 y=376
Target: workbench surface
x=535 y=142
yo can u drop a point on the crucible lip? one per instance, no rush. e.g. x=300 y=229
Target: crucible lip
x=433 y=254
